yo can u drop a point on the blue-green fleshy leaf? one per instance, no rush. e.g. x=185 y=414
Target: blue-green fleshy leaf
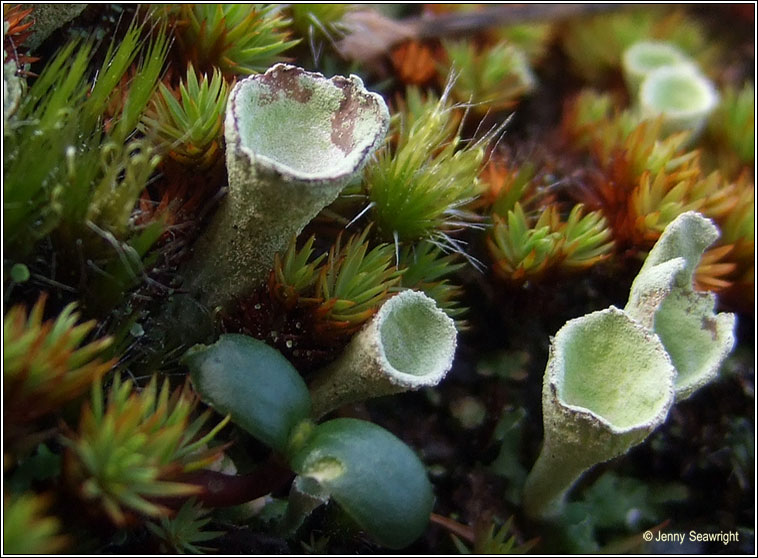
x=377 y=479
x=254 y=383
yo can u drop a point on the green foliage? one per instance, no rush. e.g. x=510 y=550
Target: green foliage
x=594 y=45
x=26 y=528
x=182 y=532
x=733 y=122
x=587 y=238
x=488 y=539
x=253 y=383
x=491 y=79
x=532 y=38
x=647 y=178
x=321 y=21
x=522 y=248
x=238 y=39
x=508 y=433
x=189 y=127
x=126 y=169
x=615 y=502
x=425 y=267
x=343 y=291
x=372 y=475
x=354 y=281
x=419 y=188
x=127 y=449
x=614 y=506
x=71 y=168
x=46 y=364
x=294 y=274
x=41 y=466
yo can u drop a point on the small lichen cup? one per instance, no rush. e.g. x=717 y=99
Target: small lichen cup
x=608 y=384
x=681 y=95
x=293 y=140
x=662 y=299
x=409 y=344
x=645 y=56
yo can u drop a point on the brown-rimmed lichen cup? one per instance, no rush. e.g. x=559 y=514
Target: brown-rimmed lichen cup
x=293 y=140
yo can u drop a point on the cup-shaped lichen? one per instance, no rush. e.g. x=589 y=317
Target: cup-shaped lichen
x=681 y=95
x=608 y=384
x=293 y=140
x=409 y=344
x=645 y=56
x=662 y=299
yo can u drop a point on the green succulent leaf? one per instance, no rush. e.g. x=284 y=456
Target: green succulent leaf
x=252 y=382
x=372 y=475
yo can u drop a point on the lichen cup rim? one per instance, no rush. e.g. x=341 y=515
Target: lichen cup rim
x=445 y=342
x=358 y=154
x=709 y=97
x=631 y=56
x=558 y=366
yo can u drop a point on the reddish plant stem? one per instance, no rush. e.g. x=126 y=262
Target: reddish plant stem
x=221 y=490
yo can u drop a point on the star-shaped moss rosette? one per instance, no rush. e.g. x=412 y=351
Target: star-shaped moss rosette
x=281 y=176
x=490 y=79
x=237 y=39
x=26 y=527
x=47 y=363
x=131 y=447
x=522 y=248
x=423 y=181
x=187 y=124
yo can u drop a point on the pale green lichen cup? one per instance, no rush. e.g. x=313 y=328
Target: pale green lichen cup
x=608 y=384
x=293 y=140
x=409 y=344
x=680 y=95
x=645 y=56
x=662 y=298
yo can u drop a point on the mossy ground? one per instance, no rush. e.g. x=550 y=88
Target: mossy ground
x=705 y=450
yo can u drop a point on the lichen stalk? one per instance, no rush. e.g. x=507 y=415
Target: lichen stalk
x=608 y=384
